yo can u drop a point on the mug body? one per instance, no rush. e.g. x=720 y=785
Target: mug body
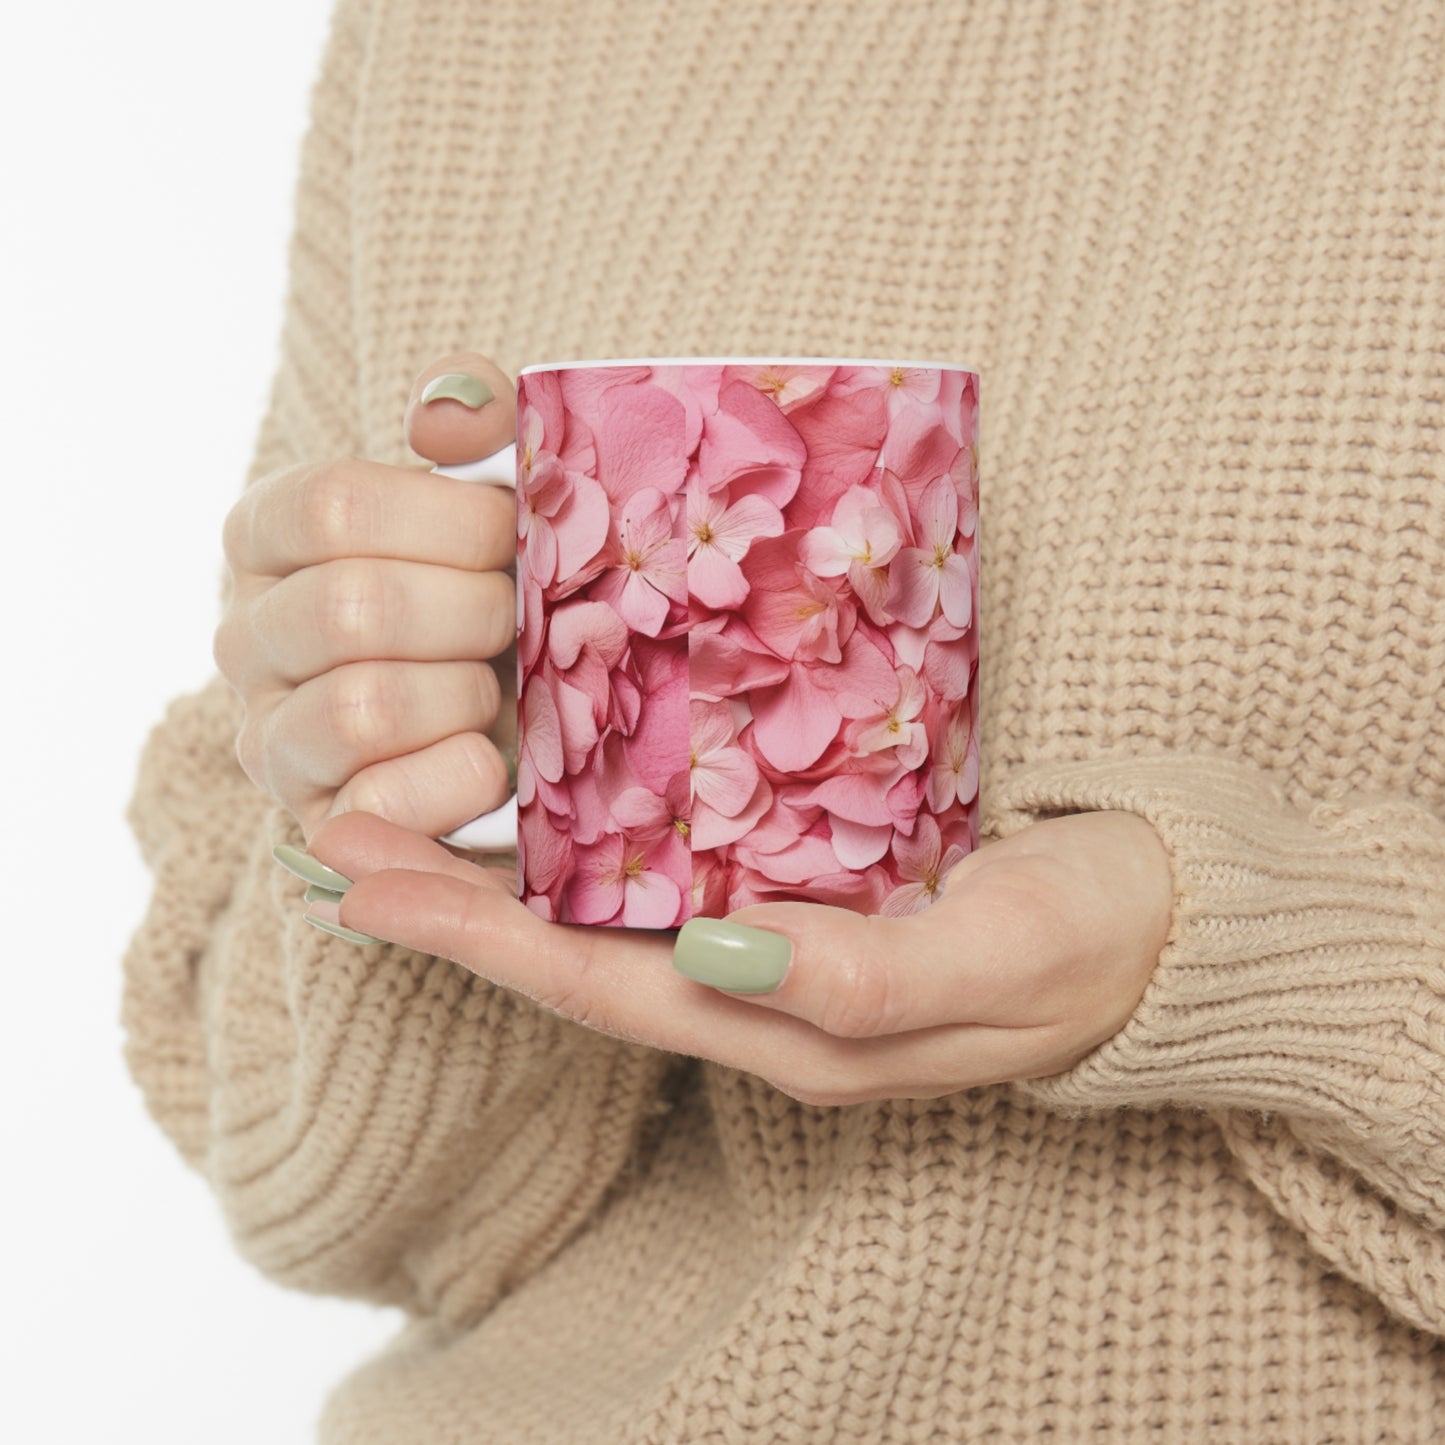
x=747 y=595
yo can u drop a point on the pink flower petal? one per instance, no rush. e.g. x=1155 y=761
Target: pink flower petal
x=546 y=851
x=745 y=520
x=955 y=592
x=596 y=892
x=938 y=514
x=918 y=856
x=542 y=550
x=541 y=731
x=750 y=441
x=710 y=727
x=913 y=587
x=639 y=438
x=858 y=845
x=715 y=580
x=642 y=607
x=825 y=552
x=651 y=900
x=794 y=723
x=711 y=829
x=578 y=724
x=580 y=525
x=855 y=797
x=946 y=667
x=842 y=435
x=640 y=813
x=725 y=780
x=591 y=625
x=910 y=898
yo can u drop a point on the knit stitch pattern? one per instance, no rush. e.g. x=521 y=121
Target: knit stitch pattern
x=1197 y=253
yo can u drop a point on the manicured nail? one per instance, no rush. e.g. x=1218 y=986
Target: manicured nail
x=471 y=391
x=315 y=894
x=349 y=934
x=509 y=756
x=731 y=955
x=303 y=865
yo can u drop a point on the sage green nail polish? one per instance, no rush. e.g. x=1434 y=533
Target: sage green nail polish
x=304 y=866
x=314 y=894
x=350 y=934
x=471 y=391
x=509 y=757
x=731 y=955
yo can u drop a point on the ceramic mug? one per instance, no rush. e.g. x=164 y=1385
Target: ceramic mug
x=747 y=603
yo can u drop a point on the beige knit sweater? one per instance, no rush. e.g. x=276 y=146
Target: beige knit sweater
x=1198 y=253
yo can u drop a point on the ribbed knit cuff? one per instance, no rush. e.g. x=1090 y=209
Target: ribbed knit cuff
x=1305 y=967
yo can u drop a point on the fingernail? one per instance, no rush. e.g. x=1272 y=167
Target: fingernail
x=731 y=955
x=303 y=865
x=509 y=756
x=471 y=391
x=349 y=934
x=315 y=894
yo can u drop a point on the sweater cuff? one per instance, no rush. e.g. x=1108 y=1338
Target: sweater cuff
x=1302 y=972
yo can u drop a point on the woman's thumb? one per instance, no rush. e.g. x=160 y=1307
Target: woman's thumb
x=462 y=408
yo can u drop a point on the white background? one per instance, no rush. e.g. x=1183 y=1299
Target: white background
x=148 y=154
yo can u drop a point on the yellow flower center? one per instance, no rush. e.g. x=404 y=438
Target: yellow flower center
x=703 y=533
x=895 y=377
x=941 y=554
x=628 y=868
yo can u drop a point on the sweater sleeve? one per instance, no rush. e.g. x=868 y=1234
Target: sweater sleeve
x=1299 y=1000
x=375 y=1123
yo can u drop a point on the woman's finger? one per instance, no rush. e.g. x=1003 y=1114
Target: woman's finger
x=433 y=790
x=327 y=730
x=853 y=976
x=621 y=982
x=351 y=507
x=462 y=408
x=356 y=609
x=358 y=844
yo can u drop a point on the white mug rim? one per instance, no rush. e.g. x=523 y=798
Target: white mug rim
x=749 y=361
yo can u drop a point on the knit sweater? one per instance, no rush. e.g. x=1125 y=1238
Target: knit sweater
x=1197 y=252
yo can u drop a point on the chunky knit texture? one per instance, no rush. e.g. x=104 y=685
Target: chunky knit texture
x=1198 y=253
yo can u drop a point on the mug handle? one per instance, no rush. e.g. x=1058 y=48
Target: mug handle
x=493 y=832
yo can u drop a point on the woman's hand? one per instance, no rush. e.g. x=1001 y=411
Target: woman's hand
x=1037 y=949
x=366 y=599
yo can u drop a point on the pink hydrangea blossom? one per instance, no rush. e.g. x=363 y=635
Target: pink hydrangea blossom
x=932 y=575
x=954 y=772
x=860 y=541
x=647 y=566
x=719 y=536
x=923 y=864
x=899 y=729
x=612 y=883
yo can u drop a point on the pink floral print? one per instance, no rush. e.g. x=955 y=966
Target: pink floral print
x=748 y=606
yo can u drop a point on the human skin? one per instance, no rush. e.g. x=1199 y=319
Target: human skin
x=1037 y=949
x=370 y=632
